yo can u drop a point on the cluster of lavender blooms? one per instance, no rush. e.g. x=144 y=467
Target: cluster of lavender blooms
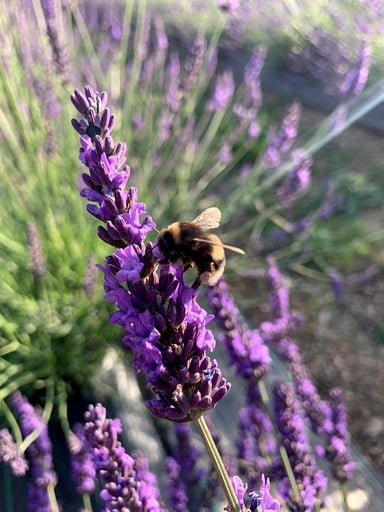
x=10 y=454
x=164 y=325
x=127 y=482
x=339 y=55
x=96 y=452
x=42 y=477
x=327 y=419
x=296 y=404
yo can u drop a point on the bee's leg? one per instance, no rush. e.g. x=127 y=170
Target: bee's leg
x=196 y=283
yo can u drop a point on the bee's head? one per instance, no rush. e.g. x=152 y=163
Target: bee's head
x=168 y=240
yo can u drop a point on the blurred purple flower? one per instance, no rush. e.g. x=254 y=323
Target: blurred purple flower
x=283 y=320
x=245 y=347
x=296 y=181
x=256 y=443
x=228 y=5
x=281 y=143
x=59 y=52
x=223 y=92
x=354 y=82
x=10 y=454
x=39 y=452
x=83 y=468
x=176 y=489
x=310 y=481
x=338 y=438
x=337 y=285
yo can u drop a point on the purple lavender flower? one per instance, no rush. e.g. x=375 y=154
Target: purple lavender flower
x=355 y=80
x=10 y=454
x=245 y=347
x=125 y=486
x=193 y=65
x=83 y=468
x=337 y=285
x=252 y=77
x=315 y=408
x=228 y=6
x=164 y=325
x=240 y=489
x=187 y=455
x=176 y=488
x=39 y=452
x=281 y=143
x=263 y=498
x=256 y=443
x=223 y=92
x=296 y=181
x=310 y=481
x=60 y=56
x=283 y=319
x=338 y=438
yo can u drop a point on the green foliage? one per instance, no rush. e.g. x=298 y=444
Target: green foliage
x=52 y=328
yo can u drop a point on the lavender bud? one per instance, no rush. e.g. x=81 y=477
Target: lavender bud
x=10 y=454
x=35 y=252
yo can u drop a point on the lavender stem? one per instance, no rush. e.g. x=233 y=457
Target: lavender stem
x=217 y=461
x=289 y=472
x=344 y=492
x=87 y=502
x=52 y=498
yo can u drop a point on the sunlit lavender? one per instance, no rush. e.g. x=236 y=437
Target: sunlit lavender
x=170 y=116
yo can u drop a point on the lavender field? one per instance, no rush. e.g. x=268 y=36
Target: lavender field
x=142 y=367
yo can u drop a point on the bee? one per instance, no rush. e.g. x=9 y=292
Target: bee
x=195 y=247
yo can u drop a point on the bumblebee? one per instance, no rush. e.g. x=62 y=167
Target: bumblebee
x=190 y=243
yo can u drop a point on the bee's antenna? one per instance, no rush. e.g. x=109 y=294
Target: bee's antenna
x=225 y=246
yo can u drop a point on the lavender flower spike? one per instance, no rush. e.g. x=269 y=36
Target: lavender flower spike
x=263 y=498
x=39 y=453
x=164 y=325
x=122 y=488
x=10 y=454
x=83 y=469
x=310 y=481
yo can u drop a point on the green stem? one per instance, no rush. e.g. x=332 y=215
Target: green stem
x=87 y=502
x=63 y=408
x=217 y=461
x=52 y=498
x=344 y=492
x=12 y=422
x=289 y=472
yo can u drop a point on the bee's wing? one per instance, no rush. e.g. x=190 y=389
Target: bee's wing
x=225 y=246
x=209 y=218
